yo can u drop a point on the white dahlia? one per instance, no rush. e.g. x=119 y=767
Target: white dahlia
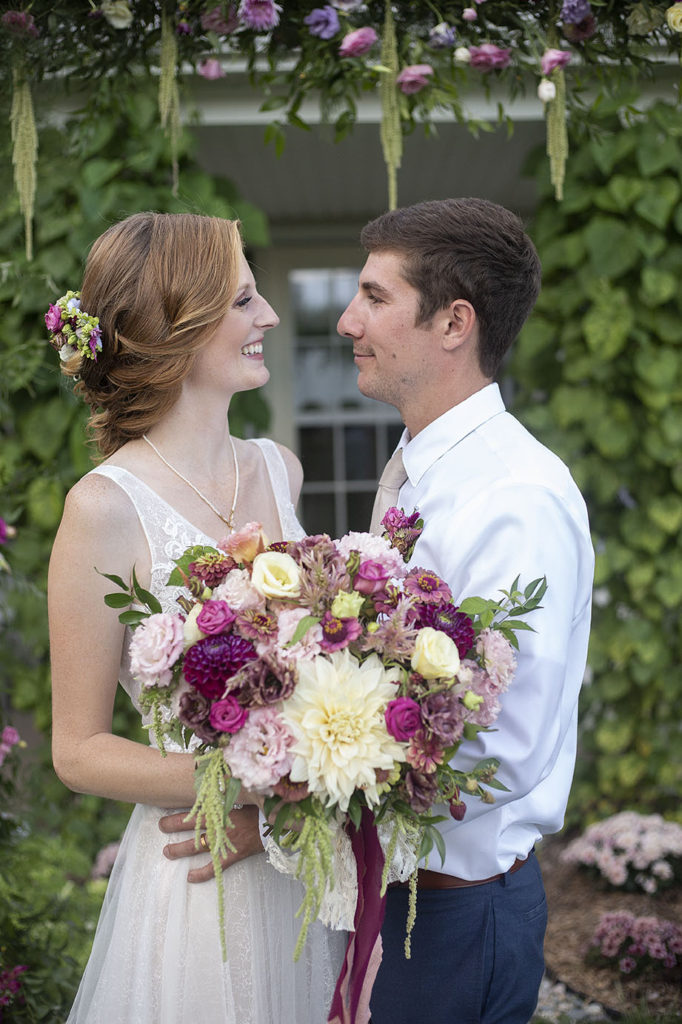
x=336 y=714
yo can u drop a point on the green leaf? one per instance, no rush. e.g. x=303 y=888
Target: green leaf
x=306 y=623
x=611 y=248
x=657 y=202
x=608 y=323
x=117 y=600
x=132 y=618
x=658 y=286
x=624 y=190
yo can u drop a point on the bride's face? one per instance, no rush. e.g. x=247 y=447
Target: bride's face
x=233 y=359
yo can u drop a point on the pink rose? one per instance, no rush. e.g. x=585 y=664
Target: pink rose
x=246 y=543
x=370 y=578
x=403 y=718
x=155 y=647
x=228 y=715
x=211 y=69
x=414 y=77
x=552 y=59
x=469 y=14
x=488 y=57
x=358 y=42
x=53 y=319
x=215 y=617
x=9 y=736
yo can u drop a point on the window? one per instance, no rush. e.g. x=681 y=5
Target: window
x=344 y=438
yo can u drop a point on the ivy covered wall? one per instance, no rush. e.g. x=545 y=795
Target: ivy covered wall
x=599 y=377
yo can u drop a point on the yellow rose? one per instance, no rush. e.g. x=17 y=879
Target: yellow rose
x=191 y=630
x=674 y=17
x=347 y=606
x=276 y=574
x=435 y=654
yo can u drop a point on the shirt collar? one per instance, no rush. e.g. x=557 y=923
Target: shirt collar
x=443 y=433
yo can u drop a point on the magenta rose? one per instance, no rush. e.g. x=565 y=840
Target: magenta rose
x=489 y=57
x=403 y=718
x=228 y=715
x=414 y=77
x=215 y=617
x=358 y=42
x=370 y=578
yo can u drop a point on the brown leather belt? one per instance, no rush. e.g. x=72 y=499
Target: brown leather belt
x=437 y=880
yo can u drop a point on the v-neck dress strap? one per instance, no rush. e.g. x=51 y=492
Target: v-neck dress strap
x=279 y=481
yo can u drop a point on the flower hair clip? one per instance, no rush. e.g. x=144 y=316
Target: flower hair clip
x=72 y=330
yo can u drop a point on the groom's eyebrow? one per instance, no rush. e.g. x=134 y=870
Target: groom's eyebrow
x=374 y=286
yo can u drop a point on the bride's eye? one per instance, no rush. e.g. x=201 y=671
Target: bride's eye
x=243 y=302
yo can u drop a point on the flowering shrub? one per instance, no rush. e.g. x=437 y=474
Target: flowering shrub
x=630 y=850
x=637 y=942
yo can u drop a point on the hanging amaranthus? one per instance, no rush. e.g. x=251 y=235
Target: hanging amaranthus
x=557 y=134
x=24 y=151
x=391 y=133
x=169 y=96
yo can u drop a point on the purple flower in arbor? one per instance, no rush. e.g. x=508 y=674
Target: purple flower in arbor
x=260 y=15
x=575 y=11
x=323 y=22
x=21 y=23
x=213 y=21
x=356 y=43
x=442 y=36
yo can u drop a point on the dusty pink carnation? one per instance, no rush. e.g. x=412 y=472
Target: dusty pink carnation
x=356 y=43
x=497 y=656
x=236 y=589
x=155 y=647
x=372 y=548
x=288 y=621
x=260 y=754
x=414 y=77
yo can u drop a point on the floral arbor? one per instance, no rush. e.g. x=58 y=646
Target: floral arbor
x=420 y=56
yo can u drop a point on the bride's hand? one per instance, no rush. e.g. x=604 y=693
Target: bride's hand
x=245 y=836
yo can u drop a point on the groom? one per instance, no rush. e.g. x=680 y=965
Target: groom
x=446 y=287
x=445 y=290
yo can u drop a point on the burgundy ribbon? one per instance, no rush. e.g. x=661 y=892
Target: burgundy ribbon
x=359 y=967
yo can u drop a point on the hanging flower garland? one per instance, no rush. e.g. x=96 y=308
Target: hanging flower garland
x=422 y=56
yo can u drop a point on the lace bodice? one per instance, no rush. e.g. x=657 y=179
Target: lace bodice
x=168 y=534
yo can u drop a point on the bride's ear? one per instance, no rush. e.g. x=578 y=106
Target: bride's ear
x=461 y=324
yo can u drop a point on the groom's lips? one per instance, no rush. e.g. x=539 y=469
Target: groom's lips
x=362 y=355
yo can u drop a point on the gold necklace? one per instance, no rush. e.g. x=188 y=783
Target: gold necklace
x=230 y=519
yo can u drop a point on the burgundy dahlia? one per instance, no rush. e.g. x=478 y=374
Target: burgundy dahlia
x=447 y=619
x=211 y=662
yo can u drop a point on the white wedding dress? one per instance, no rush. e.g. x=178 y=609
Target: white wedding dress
x=156 y=956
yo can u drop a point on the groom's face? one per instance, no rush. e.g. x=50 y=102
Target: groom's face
x=393 y=355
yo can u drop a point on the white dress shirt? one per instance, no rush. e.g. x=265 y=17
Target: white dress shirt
x=496 y=505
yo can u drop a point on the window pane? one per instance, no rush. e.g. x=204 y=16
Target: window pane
x=360 y=446
x=318 y=513
x=316 y=448
x=360 y=507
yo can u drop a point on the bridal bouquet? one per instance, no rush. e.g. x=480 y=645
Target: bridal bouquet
x=329 y=679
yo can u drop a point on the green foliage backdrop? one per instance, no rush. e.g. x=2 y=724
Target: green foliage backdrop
x=599 y=372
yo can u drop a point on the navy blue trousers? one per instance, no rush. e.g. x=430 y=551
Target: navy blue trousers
x=476 y=953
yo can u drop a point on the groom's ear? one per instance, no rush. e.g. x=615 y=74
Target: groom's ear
x=461 y=324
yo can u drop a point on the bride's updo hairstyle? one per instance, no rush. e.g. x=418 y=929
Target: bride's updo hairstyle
x=160 y=284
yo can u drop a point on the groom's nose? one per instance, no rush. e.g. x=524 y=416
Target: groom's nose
x=348 y=325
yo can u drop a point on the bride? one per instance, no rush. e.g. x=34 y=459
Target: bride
x=169 y=327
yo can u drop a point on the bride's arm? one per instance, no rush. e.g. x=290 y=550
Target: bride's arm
x=100 y=529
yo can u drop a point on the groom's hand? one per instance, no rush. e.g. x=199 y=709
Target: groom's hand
x=245 y=836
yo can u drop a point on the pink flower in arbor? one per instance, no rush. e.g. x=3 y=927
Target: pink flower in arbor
x=211 y=69
x=213 y=21
x=552 y=59
x=469 y=14
x=489 y=57
x=358 y=42
x=260 y=15
x=414 y=77
x=21 y=23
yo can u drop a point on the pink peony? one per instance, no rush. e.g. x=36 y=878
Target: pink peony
x=155 y=647
x=260 y=15
x=403 y=718
x=552 y=59
x=414 y=77
x=260 y=754
x=489 y=57
x=358 y=42
x=215 y=617
x=228 y=715
x=211 y=69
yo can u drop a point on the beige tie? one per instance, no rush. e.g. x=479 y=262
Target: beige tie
x=392 y=479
